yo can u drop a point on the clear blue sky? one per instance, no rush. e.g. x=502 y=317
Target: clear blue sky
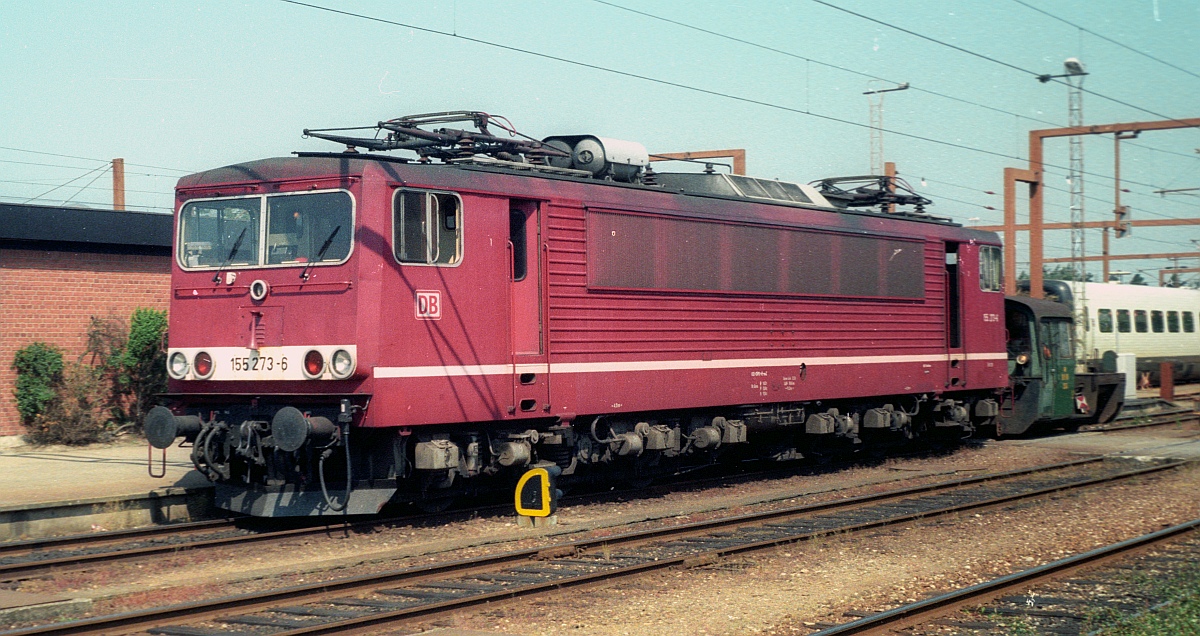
x=175 y=87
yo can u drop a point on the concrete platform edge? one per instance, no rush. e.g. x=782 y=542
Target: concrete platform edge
x=170 y=491
x=46 y=611
x=157 y=507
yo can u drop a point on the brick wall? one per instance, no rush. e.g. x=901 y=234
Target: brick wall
x=51 y=296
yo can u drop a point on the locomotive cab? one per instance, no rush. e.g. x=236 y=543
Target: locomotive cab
x=1045 y=388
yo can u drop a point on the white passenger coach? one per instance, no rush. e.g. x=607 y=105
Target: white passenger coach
x=1157 y=324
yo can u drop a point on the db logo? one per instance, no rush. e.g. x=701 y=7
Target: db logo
x=429 y=305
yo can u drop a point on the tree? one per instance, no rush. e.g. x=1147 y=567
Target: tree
x=1064 y=272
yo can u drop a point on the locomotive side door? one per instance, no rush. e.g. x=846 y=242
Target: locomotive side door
x=956 y=364
x=1056 y=352
x=531 y=373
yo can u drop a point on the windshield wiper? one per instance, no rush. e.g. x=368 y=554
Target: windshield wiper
x=320 y=253
x=236 y=244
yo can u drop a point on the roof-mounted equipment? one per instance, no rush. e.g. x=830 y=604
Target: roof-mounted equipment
x=447 y=144
x=734 y=185
x=574 y=155
x=871 y=190
x=603 y=157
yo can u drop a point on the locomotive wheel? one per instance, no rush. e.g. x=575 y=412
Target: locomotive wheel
x=638 y=482
x=643 y=471
x=438 y=492
x=434 y=505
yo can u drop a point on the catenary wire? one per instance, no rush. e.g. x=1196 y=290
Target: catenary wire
x=89 y=184
x=816 y=61
x=54 y=154
x=1050 y=216
x=52 y=181
x=749 y=43
x=1105 y=38
x=101 y=204
x=679 y=85
x=106 y=165
x=926 y=37
x=993 y=60
x=647 y=78
x=1086 y=197
x=101 y=169
x=857 y=72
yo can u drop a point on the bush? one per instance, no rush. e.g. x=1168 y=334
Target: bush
x=143 y=363
x=77 y=417
x=125 y=367
x=132 y=360
x=107 y=338
x=39 y=373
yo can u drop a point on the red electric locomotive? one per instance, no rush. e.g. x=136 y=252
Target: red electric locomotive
x=347 y=329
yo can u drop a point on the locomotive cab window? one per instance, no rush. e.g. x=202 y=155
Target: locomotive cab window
x=1020 y=344
x=991 y=268
x=1056 y=339
x=308 y=228
x=517 y=236
x=426 y=227
x=297 y=229
x=220 y=232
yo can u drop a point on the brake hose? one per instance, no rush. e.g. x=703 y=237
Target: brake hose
x=325 y=453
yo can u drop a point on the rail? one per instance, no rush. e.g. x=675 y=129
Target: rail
x=325 y=607
x=921 y=611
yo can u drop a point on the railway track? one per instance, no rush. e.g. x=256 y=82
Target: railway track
x=1050 y=598
x=34 y=558
x=25 y=559
x=38 y=557
x=365 y=602
x=41 y=557
x=1176 y=416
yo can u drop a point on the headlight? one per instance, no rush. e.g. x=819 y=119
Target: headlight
x=203 y=365
x=178 y=367
x=314 y=364
x=342 y=364
x=259 y=289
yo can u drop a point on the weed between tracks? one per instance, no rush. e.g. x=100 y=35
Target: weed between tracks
x=1178 y=613
x=1174 y=609
x=1174 y=618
